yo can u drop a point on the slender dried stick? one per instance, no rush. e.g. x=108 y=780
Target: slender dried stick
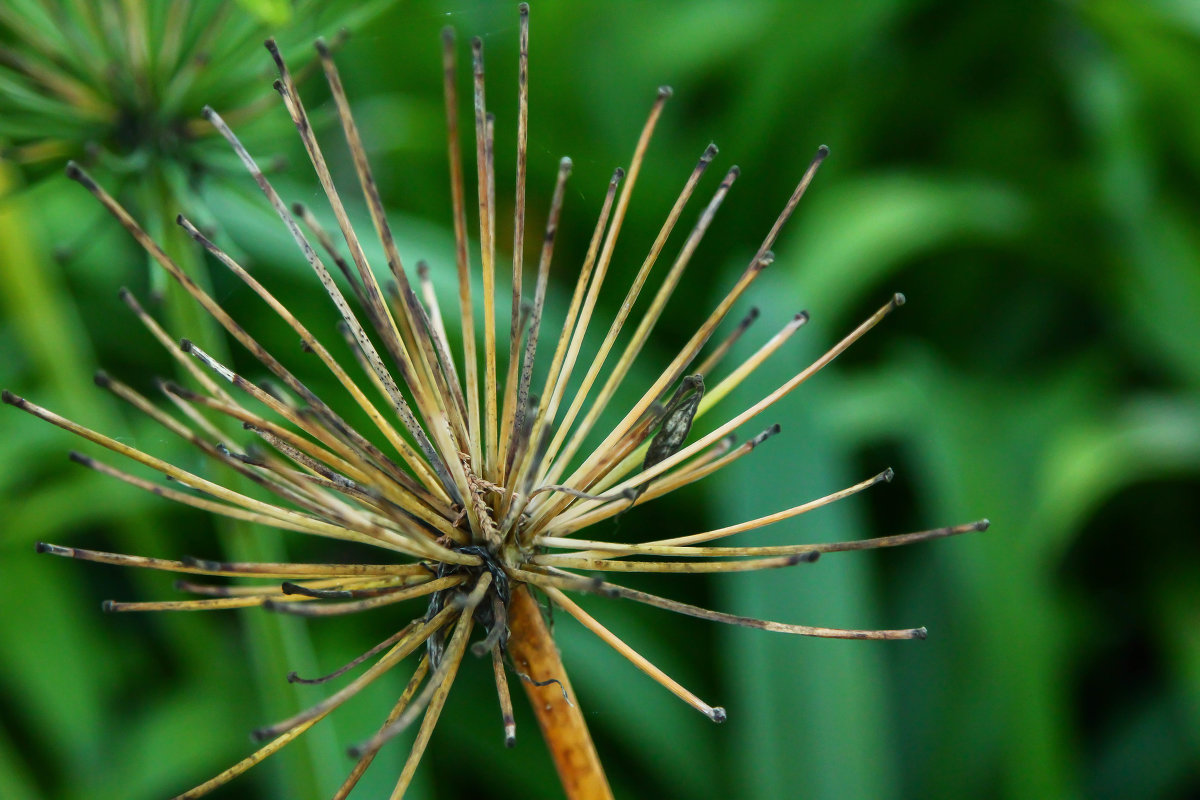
x=518 y=268
x=586 y=471
x=748 y=414
x=405 y=698
x=487 y=246
x=618 y=322
x=601 y=269
x=462 y=259
x=617 y=549
x=715 y=713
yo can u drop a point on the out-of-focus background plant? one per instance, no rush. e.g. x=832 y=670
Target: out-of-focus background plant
x=1027 y=173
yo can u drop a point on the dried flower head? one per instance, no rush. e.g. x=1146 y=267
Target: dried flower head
x=120 y=83
x=118 y=87
x=472 y=490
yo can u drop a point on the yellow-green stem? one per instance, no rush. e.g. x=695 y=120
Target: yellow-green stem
x=276 y=645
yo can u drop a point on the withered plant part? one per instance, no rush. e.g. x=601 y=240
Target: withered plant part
x=460 y=487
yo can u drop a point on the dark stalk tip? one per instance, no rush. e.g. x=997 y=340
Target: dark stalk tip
x=597 y=587
x=801 y=317
x=101 y=379
x=752 y=314
x=731 y=176
x=983 y=524
x=208 y=113
x=108 y=606
x=448 y=35
x=11 y=398
x=717 y=715
x=762 y=437
x=888 y=474
x=822 y=153
x=355 y=752
x=299 y=209
x=80 y=458
x=618 y=174
x=272 y=47
x=898 y=299
x=921 y=633
x=277 y=85
x=171 y=387
x=293 y=676
x=260 y=734
x=664 y=92
x=186 y=345
x=807 y=557
x=322 y=47
x=565 y=164
x=43 y=547
x=510 y=741
x=290 y=588
x=523 y=9
x=477 y=44
x=76 y=173
x=710 y=153
x=124 y=294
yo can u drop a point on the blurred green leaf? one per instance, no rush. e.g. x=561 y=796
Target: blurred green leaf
x=272 y=12
x=1027 y=173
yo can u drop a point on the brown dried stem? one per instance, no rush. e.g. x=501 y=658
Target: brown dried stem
x=534 y=653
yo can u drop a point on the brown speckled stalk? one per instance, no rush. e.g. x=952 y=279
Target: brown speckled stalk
x=534 y=653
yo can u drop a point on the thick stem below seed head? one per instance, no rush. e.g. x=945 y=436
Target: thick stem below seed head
x=534 y=654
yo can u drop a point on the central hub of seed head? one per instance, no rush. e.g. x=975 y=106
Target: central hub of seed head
x=491 y=614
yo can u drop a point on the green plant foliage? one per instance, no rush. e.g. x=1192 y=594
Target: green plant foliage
x=1026 y=173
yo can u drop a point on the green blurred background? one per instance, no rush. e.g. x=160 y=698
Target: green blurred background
x=1025 y=172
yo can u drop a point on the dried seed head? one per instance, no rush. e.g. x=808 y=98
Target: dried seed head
x=476 y=486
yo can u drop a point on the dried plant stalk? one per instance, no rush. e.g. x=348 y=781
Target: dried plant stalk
x=464 y=504
x=534 y=653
